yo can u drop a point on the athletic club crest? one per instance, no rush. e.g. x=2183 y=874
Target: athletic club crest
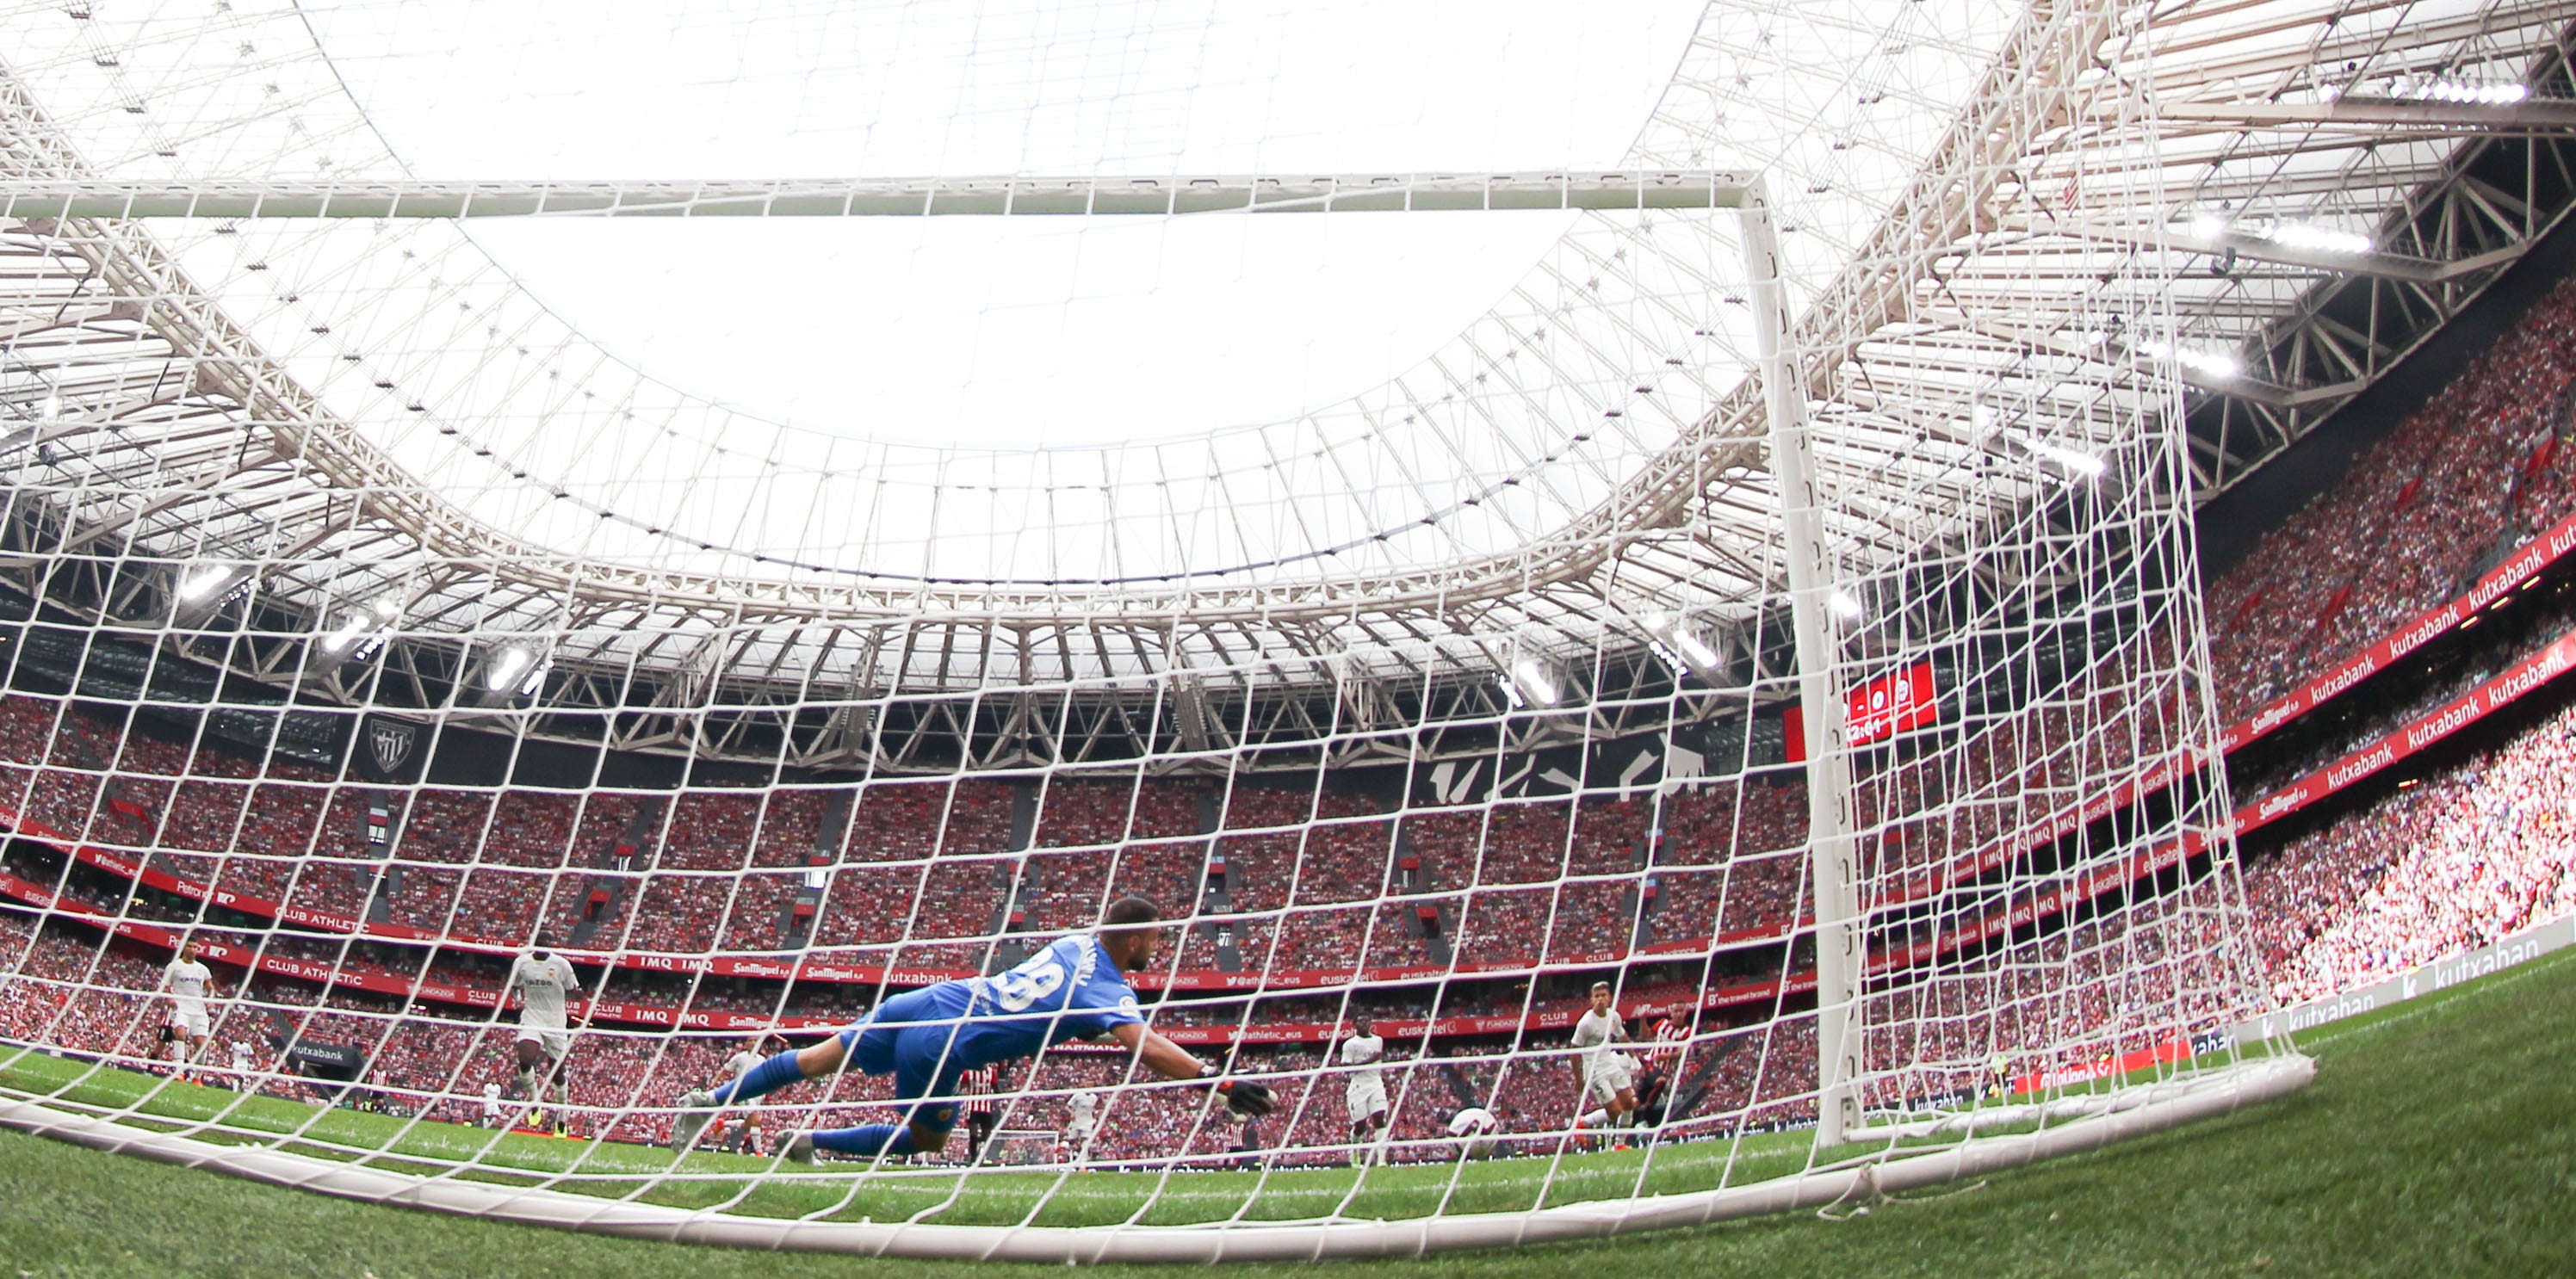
x=389 y=742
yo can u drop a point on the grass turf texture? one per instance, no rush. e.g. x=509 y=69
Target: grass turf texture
x=2439 y=1138
x=850 y=1192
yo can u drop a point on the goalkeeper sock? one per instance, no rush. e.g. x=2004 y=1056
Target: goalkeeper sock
x=761 y=1080
x=867 y=1141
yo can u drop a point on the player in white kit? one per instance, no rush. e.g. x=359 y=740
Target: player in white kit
x=1082 y=1123
x=746 y=1135
x=1605 y=1072
x=546 y=986
x=1366 y=1090
x=188 y=984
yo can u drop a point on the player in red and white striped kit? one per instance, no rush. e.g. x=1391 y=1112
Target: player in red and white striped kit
x=978 y=1086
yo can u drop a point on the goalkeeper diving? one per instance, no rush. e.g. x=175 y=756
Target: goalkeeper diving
x=1076 y=988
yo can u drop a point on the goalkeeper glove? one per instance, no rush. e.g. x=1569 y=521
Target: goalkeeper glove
x=1246 y=1097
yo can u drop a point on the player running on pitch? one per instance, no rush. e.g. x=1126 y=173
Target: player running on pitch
x=1366 y=1092
x=188 y=982
x=746 y=1136
x=1076 y=988
x=1082 y=1124
x=545 y=983
x=1604 y=1071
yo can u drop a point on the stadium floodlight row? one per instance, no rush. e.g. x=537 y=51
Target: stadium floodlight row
x=1867 y=464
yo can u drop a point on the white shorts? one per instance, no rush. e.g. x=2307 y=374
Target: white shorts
x=555 y=1042
x=1367 y=1097
x=189 y=1016
x=1079 y=1134
x=1610 y=1075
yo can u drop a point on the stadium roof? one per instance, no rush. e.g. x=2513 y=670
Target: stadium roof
x=491 y=439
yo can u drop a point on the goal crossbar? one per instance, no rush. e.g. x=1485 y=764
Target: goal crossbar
x=887 y=197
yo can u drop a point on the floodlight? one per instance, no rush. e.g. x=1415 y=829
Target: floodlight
x=350 y=628
x=506 y=667
x=2214 y=363
x=206 y=584
x=1533 y=680
x=2301 y=235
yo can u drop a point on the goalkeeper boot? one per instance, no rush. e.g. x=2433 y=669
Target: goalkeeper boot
x=798 y=1148
x=698 y=1107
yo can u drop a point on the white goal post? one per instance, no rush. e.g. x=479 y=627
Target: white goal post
x=1815 y=606
x=1820 y=690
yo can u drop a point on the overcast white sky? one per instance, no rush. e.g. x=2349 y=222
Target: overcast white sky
x=1036 y=331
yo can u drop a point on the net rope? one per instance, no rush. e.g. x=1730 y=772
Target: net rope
x=1453 y=829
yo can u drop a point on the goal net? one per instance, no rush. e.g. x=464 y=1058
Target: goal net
x=1776 y=614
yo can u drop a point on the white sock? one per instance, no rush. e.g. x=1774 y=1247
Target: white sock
x=1597 y=1118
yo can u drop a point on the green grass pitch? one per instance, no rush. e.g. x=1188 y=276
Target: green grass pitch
x=849 y=1192
x=2439 y=1139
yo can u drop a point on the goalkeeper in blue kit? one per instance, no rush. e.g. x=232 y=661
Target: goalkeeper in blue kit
x=1076 y=988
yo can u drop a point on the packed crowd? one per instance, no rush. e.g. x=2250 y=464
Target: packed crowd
x=2461 y=858
x=1286 y=878
x=2494 y=643
x=2479 y=468
x=1313 y=878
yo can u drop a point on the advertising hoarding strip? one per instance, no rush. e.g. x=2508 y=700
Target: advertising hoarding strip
x=2415 y=736
x=2527 y=562
x=2514 y=950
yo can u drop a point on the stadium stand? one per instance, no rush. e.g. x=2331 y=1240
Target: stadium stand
x=2457 y=860
x=1302 y=878
x=1312 y=880
x=2476 y=470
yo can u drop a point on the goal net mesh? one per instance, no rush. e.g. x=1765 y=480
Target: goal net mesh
x=363 y=627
